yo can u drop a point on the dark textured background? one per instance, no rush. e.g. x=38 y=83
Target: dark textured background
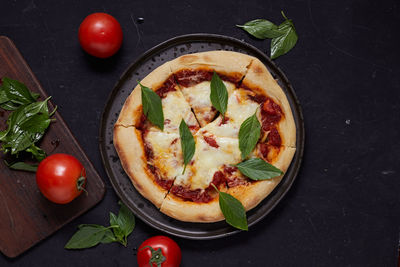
x=343 y=209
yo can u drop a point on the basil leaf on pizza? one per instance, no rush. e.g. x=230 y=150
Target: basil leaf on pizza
x=187 y=143
x=261 y=28
x=219 y=94
x=258 y=169
x=282 y=44
x=233 y=210
x=249 y=134
x=152 y=107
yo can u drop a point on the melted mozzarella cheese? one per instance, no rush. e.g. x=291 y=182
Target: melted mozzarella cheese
x=167 y=152
x=207 y=160
x=175 y=108
x=198 y=97
x=239 y=109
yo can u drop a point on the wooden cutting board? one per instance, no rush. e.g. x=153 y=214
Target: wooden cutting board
x=26 y=217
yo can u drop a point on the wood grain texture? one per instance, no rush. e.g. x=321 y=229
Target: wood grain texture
x=26 y=216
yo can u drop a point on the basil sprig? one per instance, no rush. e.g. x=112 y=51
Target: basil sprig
x=249 y=134
x=219 y=94
x=258 y=169
x=284 y=36
x=90 y=235
x=152 y=107
x=187 y=143
x=233 y=210
x=26 y=126
x=261 y=28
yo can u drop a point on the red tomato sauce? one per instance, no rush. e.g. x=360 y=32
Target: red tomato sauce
x=187 y=78
x=211 y=141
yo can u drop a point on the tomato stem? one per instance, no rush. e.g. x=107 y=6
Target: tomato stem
x=156 y=256
x=80 y=184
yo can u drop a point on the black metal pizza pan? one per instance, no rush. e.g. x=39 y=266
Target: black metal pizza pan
x=150 y=60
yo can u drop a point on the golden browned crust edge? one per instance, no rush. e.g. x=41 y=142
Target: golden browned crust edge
x=258 y=76
x=129 y=146
x=188 y=211
x=223 y=62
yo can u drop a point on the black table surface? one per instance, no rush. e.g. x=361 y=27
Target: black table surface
x=344 y=207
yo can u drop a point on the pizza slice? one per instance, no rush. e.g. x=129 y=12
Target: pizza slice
x=276 y=114
x=192 y=197
x=174 y=105
x=193 y=73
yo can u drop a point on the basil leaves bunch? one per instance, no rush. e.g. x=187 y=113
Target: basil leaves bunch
x=284 y=36
x=26 y=124
x=90 y=235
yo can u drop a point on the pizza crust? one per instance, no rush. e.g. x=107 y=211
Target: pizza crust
x=258 y=76
x=129 y=146
x=223 y=62
x=188 y=211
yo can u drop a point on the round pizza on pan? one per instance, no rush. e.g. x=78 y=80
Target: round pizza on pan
x=152 y=155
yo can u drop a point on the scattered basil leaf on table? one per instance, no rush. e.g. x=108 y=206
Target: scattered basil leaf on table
x=233 y=210
x=152 y=107
x=284 y=36
x=261 y=28
x=282 y=44
x=258 y=169
x=22 y=166
x=187 y=143
x=219 y=94
x=249 y=134
x=89 y=235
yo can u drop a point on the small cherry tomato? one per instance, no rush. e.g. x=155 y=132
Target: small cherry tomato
x=159 y=251
x=61 y=178
x=100 y=35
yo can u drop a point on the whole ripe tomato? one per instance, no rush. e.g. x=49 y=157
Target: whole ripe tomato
x=61 y=178
x=159 y=251
x=100 y=35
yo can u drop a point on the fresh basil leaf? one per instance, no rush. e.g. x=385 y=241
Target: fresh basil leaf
x=258 y=169
x=22 y=166
x=3 y=96
x=249 y=134
x=261 y=28
x=37 y=123
x=219 y=94
x=108 y=237
x=282 y=44
x=126 y=219
x=9 y=106
x=117 y=229
x=17 y=92
x=187 y=143
x=152 y=107
x=233 y=210
x=87 y=236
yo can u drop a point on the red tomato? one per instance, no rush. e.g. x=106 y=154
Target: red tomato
x=149 y=255
x=61 y=178
x=100 y=35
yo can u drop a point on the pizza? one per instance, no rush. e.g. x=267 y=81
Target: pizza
x=153 y=158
